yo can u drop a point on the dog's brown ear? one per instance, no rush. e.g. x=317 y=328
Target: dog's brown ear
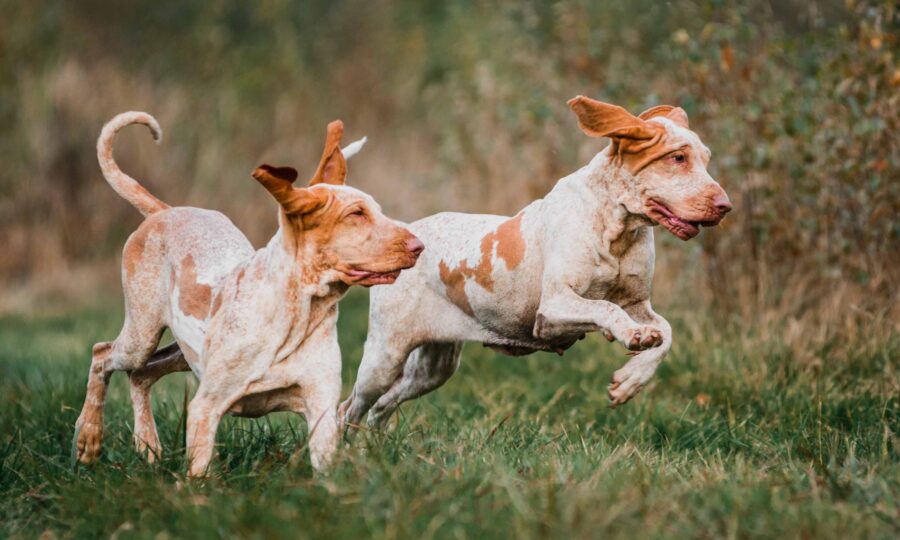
x=282 y=174
x=675 y=114
x=599 y=119
x=278 y=181
x=332 y=167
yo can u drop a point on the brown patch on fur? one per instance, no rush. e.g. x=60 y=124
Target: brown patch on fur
x=134 y=247
x=193 y=298
x=483 y=273
x=510 y=244
x=510 y=248
x=455 y=282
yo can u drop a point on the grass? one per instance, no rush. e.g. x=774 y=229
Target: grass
x=736 y=438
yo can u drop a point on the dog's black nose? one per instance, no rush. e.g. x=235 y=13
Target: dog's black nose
x=722 y=204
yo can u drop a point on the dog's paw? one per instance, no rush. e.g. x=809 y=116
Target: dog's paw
x=628 y=381
x=342 y=412
x=148 y=446
x=640 y=337
x=88 y=440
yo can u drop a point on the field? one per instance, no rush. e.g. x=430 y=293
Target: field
x=776 y=415
x=736 y=438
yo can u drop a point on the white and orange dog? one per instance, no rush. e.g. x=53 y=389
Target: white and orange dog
x=579 y=260
x=258 y=328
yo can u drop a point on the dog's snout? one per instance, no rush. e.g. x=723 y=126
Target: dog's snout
x=415 y=246
x=722 y=203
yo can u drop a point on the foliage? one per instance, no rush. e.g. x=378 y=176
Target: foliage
x=465 y=106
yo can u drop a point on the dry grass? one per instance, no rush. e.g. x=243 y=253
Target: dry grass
x=465 y=109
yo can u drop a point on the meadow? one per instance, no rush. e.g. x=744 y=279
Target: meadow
x=734 y=439
x=777 y=414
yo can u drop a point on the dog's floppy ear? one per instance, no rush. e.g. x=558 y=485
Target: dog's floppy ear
x=278 y=181
x=675 y=114
x=599 y=119
x=332 y=167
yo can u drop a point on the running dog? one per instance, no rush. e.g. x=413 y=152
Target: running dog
x=257 y=327
x=580 y=260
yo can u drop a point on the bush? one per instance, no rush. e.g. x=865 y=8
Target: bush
x=465 y=103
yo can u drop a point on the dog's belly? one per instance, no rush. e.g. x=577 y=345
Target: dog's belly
x=520 y=341
x=524 y=347
x=262 y=403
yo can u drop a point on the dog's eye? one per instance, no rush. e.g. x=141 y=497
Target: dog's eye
x=359 y=212
x=678 y=157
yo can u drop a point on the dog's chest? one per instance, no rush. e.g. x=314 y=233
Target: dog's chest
x=283 y=384
x=627 y=278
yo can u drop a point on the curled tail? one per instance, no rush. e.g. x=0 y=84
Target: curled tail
x=127 y=187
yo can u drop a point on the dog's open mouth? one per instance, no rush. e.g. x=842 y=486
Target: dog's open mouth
x=366 y=277
x=681 y=228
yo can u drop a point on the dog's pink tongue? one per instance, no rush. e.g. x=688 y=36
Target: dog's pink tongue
x=375 y=277
x=677 y=226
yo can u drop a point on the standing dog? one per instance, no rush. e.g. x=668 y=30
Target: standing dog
x=258 y=328
x=579 y=260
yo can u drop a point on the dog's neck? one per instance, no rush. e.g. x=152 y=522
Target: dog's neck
x=294 y=264
x=616 y=202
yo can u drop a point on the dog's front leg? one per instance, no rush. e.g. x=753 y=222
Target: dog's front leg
x=321 y=392
x=563 y=313
x=223 y=383
x=320 y=401
x=321 y=417
x=631 y=378
x=203 y=417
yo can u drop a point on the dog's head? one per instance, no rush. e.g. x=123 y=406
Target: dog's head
x=666 y=162
x=343 y=228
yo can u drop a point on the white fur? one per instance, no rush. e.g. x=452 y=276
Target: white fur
x=353 y=148
x=257 y=328
x=587 y=266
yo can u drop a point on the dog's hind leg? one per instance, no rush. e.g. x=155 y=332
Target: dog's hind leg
x=382 y=365
x=136 y=342
x=428 y=367
x=168 y=359
x=89 y=426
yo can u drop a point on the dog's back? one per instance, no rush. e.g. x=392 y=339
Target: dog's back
x=173 y=263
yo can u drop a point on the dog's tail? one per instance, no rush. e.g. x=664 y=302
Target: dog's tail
x=127 y=187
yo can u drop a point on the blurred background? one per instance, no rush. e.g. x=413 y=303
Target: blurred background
x=464 y=106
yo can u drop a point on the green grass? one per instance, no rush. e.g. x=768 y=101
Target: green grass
x=736 y=438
